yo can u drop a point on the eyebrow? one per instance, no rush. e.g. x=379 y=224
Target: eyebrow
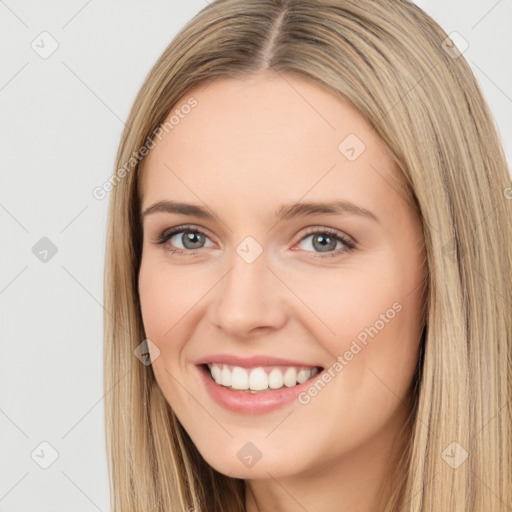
x=284 y=212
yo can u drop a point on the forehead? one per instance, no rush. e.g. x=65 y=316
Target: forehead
x=255 y=141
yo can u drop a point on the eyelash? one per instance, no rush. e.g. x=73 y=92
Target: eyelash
x=349 y=244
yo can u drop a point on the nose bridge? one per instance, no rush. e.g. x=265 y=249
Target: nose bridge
x=250 y=294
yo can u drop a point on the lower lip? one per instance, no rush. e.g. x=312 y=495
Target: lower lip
x=251 y=403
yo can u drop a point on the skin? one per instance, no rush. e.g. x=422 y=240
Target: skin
x=248 y=147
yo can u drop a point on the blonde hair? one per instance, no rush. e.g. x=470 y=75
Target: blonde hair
x=391 y=61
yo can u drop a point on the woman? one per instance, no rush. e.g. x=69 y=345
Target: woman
x=245 y=369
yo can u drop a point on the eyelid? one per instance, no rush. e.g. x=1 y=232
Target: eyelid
x=350 y=244
x=348 y=241
x=167 y=234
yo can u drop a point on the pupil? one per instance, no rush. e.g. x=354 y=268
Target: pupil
x=325 y=245
x=190 y=237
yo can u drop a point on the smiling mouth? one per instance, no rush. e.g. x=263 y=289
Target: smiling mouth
x=260 y=378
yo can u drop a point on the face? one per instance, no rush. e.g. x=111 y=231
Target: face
x=272 y=290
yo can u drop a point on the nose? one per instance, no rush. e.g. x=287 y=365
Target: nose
x=249 y=298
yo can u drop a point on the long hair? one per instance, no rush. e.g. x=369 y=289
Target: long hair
x=395 y=64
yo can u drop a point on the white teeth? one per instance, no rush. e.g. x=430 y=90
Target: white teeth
x=216 y=373
x=257 y=379
x=275 y=379
x=303 y=375
x=239 y=378
x=290 y=377
x=225 y=377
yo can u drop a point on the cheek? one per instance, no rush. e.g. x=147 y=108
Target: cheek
x=350 y=300
x=154 y=301
x=374 y=318
x=162 y=306
x=166 y=296
x=170 y=309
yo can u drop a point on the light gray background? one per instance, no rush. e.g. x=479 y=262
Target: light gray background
x=62 y=120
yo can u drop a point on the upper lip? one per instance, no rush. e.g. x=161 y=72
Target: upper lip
x=253 y=361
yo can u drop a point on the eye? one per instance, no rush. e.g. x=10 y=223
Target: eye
x=325 y=240
x=192 y=239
